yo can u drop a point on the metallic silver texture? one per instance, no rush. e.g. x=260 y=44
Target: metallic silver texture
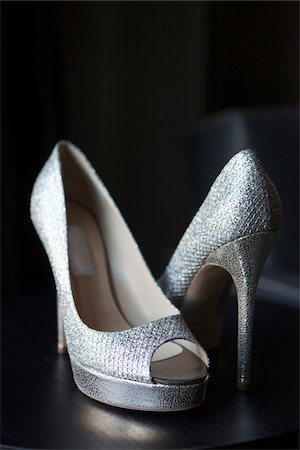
x=120 y=356
x=242 y=201
x=136 y=395
x=243 y=259
x=234 y=228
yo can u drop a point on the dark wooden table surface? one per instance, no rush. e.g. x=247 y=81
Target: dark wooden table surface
x=42 y=408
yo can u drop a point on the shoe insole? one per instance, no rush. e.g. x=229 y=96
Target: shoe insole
x=98 y=307
x=204 y=304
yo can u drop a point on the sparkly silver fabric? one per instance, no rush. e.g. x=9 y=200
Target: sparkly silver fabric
x=244 y=259
x=126 y=354
x=123 y=355
x=241 y=202
x=135 y=395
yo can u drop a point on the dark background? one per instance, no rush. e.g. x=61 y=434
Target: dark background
x=158 y=95
x=127 y=82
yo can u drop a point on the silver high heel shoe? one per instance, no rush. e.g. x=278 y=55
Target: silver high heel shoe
x=128 y=345
x=230 y=237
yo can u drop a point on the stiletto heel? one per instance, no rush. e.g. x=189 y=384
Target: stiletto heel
x=61 y=338
x=243 y=259
x=233 y=231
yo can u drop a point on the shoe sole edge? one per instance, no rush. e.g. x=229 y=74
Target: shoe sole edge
x=136 y=395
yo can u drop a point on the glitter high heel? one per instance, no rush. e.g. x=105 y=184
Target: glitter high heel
x=229 y=238
x=128 y=345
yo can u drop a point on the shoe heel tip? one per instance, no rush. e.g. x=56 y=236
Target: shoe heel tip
x=61 y=349
x=243 y=386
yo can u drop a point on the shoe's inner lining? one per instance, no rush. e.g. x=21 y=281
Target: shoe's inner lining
x=204 y=304
x=96 y=275
x=139 y=298
x=95 y=299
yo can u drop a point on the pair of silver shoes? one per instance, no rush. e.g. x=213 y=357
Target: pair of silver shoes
x=128 y=344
